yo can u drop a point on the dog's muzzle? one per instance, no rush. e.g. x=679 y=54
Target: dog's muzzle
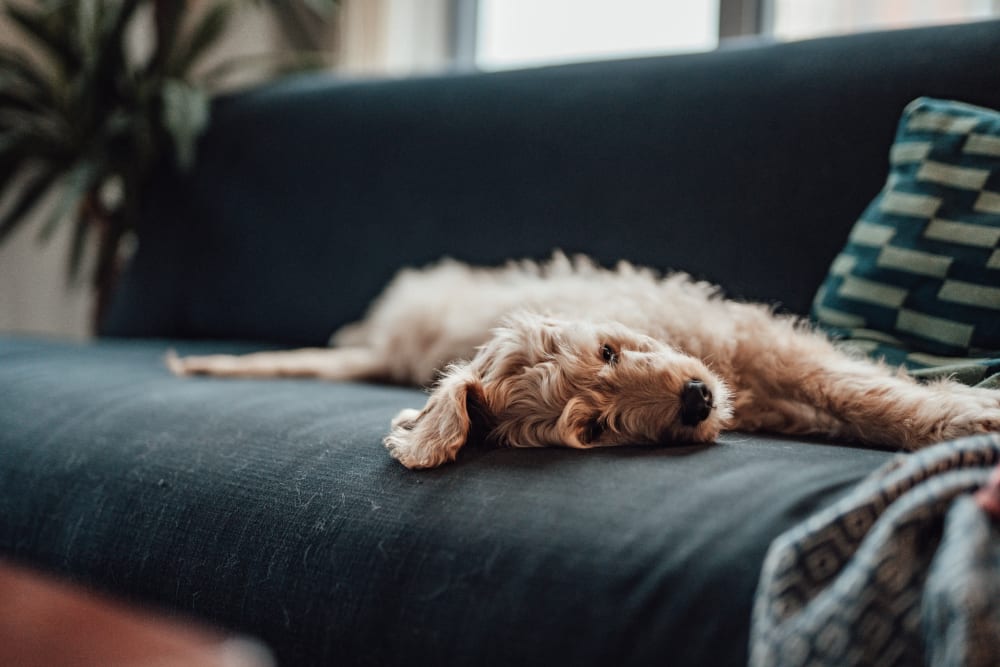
x=696 y=402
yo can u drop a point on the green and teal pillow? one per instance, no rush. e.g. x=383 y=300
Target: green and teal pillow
x=918 y=281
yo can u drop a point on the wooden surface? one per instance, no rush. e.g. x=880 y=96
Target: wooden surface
x=47 y=623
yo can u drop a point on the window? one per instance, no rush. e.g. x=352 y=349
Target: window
x=499 y=34
x=519 y=33
x=797 y=19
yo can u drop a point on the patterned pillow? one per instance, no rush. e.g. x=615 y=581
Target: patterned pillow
x=921 y=269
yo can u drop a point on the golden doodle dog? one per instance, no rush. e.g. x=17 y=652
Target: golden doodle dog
x=567 y=353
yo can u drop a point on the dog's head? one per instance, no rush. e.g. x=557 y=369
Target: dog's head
x=541 y=381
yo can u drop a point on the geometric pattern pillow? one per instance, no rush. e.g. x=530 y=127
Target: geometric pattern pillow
x=921 y=268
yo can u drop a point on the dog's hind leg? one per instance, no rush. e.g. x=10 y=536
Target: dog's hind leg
x=345 y=363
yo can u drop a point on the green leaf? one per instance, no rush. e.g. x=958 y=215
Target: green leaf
x=321 y=7
x=114 y=31
x=74 y=186
x=203 y=36
x=28 y=197
x=78 y=244
x=39 y=136
x=167 y=19
x=42 y=26
x=15 y=95
x=87 y=32
x=9 y=142
x=11 y=156
x=265 y=66
x=18 y=72
x=185 y=116
x=109 y=65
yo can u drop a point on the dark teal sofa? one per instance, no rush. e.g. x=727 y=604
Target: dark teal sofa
x=271 y=508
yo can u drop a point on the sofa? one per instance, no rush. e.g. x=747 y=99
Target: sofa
x=271 y=508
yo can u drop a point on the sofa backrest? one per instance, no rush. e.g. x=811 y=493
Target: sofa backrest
x=746 y=166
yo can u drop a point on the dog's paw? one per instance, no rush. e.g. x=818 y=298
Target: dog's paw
x=406 y=419
x=412 y=443
x=986 y=421
x=405 y=448
x=960 y=412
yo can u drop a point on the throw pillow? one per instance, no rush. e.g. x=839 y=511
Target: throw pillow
x=918 y=281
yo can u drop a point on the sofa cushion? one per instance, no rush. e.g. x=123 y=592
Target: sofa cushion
x=272 y=508
x=921 y=267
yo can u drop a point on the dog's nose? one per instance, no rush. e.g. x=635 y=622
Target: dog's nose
x=696 y=402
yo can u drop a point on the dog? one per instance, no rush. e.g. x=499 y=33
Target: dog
x=567 y=353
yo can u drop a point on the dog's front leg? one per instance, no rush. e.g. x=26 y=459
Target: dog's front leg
x=873 y=403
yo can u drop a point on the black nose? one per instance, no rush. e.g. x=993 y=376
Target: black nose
x=696 y=402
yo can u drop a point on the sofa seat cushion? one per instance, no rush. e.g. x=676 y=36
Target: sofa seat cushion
x=271 y=507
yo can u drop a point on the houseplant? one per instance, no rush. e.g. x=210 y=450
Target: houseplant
x=84 y=118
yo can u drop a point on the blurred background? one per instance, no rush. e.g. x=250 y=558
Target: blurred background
x=94 y=91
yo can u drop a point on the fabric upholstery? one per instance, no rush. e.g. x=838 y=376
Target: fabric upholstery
x=272 y=508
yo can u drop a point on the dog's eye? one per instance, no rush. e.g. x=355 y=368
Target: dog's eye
x=608 y=354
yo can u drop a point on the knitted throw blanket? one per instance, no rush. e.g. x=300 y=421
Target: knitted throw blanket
x=905 y=570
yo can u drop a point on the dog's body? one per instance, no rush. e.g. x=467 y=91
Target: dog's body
x=568 y=353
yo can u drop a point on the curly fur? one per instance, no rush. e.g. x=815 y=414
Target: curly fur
x=519 y=350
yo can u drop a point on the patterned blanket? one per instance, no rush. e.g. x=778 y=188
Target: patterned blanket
x=905 y=570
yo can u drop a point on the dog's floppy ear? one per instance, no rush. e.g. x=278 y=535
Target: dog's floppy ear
x=432 y=436
x=578 y=427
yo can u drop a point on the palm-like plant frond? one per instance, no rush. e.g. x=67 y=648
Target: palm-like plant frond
x=76 y=115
